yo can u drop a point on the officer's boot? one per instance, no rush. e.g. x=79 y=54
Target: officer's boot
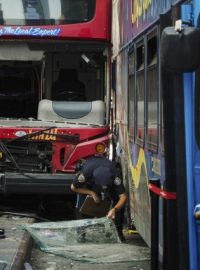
x=120 y=234
x=119 y=224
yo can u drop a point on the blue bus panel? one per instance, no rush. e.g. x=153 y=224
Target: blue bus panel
x=157 y=95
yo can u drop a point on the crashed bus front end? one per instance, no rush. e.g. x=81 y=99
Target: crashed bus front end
x=55 y=69
x=43 y=160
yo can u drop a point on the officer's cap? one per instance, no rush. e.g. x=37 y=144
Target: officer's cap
x=102 y=176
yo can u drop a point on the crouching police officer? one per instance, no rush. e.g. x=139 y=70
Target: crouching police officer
x=99 y=175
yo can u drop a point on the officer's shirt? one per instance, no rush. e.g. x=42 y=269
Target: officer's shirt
x=85 y=178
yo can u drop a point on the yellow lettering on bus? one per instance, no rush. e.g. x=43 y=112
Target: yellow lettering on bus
x=138 y=8
x=50 y=138
x=41 y=136
x=46 y=136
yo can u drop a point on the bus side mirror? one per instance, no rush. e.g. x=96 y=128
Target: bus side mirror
x=180 y=50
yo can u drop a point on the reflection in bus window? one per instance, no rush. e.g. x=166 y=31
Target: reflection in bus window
x=152 y=93
x=131 y=95
x=140 y=92
x=46 y=12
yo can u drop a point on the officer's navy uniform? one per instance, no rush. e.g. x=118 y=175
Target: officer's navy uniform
x=102 y=176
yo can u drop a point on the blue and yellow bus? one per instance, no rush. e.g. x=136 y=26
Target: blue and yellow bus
x=157 y=124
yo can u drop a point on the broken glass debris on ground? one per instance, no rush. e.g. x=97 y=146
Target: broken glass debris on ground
x=87 y=240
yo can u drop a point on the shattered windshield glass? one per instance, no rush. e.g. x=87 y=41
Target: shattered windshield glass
x=87 y=240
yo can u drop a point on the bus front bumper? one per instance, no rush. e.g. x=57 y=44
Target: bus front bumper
x=15 y=183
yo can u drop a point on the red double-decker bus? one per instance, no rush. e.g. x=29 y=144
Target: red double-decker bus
x=54 y=91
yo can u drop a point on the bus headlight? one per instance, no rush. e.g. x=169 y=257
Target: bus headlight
x=100 y=148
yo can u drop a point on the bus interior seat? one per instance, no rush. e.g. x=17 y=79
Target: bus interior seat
x=78 y=112
x=68 y=87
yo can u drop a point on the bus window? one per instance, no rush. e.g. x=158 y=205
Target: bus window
x=152 y=94
x=49 y=12
x=77 y=10
x=140 y=92
x=19 y=90
x=162 y=138
x=131 y=95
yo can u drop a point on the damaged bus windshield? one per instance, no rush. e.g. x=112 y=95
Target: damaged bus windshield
x=54 y=94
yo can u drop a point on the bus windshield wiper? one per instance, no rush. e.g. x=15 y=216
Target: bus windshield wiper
x=26 y=136
x=72 y=138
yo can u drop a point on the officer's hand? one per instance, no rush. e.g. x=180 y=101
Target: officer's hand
x=95 y=197
x=111 y=213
